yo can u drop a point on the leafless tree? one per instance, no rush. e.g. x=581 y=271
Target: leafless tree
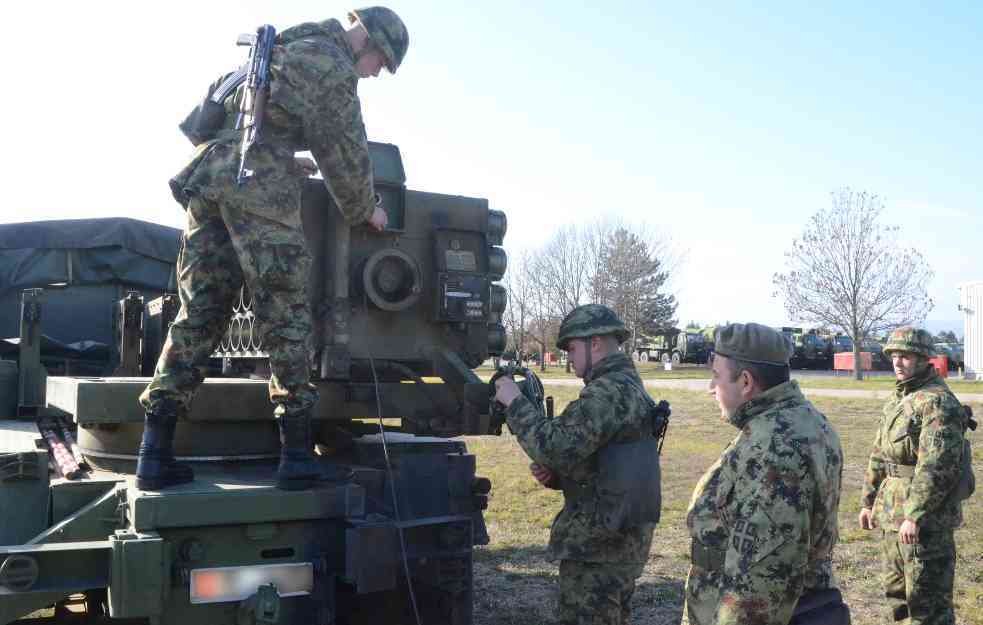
x=561 y=267
x=580 y=264
x=848 y=270
x=519 y=311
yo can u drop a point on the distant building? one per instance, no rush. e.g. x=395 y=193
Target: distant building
x=971 y=305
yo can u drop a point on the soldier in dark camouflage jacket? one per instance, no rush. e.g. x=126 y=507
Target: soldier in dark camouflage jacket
x=910 y=488
x=252 y=234
x=598 y=566
x=763 y=518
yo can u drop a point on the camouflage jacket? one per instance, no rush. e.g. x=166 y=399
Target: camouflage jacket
x=313 y=105
x=768 y=511
x=611 y=409
x=923 y=426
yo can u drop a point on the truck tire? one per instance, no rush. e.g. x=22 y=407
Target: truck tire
x=664 y=357
x=643 y=356
x=676 y=358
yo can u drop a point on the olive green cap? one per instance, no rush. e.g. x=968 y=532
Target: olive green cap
x=752 y=342
x=910 y=339
x=591 y=320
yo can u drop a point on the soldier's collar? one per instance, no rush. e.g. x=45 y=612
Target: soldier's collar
x=916 y=381
x=765 y=401
x=612 y=362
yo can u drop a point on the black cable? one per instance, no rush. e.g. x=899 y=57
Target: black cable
x=392 y=481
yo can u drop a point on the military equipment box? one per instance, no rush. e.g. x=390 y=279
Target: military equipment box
x=402 y=318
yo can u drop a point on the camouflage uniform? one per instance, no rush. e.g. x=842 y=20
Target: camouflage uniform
x=253 y=234
x=598 y=567
x=912 y=474
x=763 y=518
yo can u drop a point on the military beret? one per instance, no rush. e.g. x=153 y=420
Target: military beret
x=752 y=342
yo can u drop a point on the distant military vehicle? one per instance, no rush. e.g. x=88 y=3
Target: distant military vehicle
x=953 y=352
x=673 y=345
x=810 y=349
x=402 y=318
x=878 y=361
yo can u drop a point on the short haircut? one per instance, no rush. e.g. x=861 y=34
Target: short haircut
x=766 y=376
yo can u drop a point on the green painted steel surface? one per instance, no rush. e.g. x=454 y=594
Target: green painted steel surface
x=140 y=576
x=8 y=389
x=245 y=496
x=23 y=482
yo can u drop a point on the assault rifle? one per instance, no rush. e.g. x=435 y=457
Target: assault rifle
x=253 y=105
x=660 y=421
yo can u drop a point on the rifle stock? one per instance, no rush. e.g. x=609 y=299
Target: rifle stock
x=253 y=105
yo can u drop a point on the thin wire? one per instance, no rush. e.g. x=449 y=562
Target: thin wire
x=392 y=482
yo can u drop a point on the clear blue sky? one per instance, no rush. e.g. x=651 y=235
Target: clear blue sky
x=728 y=126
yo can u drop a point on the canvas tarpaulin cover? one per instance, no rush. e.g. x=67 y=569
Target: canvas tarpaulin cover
x=85 y=266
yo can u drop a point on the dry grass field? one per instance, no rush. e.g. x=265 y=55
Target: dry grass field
x=515 y=583
x=808 y=379
x=648 y=370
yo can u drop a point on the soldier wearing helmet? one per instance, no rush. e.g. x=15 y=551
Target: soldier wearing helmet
x=600 y=451
x=251 y=234
x=763 y=518
x=385 y=35
x=911 y=491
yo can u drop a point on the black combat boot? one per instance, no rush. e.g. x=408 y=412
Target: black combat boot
x=298 y=468
x=156 y=467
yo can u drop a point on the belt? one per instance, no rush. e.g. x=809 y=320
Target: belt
x=906 y=471
x=707 y=558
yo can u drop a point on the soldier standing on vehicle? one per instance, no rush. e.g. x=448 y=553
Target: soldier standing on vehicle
x=252 y=233
x=763 y=518
x=601 y=452
x=912 y=491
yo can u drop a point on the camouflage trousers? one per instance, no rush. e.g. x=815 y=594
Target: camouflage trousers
x=918 y=578
x=224 y=246
x=596 y=593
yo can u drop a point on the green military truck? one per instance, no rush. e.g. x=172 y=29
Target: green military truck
x=673 y=345
x=402 y=319
x=811 y=349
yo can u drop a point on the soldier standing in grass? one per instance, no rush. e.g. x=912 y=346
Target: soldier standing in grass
x=252 y=233
x=601 y=452
x=913 y=488
x=763 y=518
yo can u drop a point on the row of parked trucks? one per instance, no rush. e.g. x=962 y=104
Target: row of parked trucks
x=811 y=349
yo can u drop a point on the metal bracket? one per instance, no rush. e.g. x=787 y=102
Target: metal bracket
x=19 y=467
x=262 y=608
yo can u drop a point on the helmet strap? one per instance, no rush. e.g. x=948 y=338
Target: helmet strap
x=366 y=48
x=589 y=364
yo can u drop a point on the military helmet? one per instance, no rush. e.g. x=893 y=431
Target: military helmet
x=386 y=31
x=591 y=320
x=910 y=339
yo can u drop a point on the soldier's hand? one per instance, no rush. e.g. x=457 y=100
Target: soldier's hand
x=379 y=219
x=908 y=532
x=506 y=390
x=542 y=474
x=867 y=521
x=308 y=166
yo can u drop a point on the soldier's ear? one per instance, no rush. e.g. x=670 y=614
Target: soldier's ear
x=748 y=380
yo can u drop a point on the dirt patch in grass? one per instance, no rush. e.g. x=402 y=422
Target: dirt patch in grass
x=516 y=584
